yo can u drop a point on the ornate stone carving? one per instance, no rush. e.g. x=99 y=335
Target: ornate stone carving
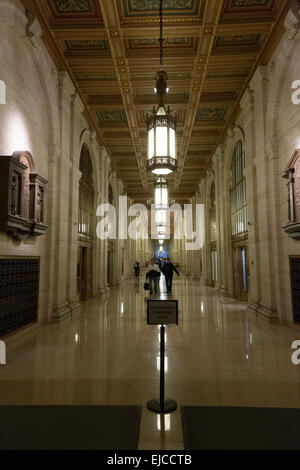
x=22 y=197
x=292 y=175
x=292 y=20
x=33 y=29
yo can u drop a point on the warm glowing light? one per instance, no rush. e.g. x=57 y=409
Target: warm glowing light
x=158 y=363
x=166 y=420
x=17 y=136
x=161 y=141
x=151 y=143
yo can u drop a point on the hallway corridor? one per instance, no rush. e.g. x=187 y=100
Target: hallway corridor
x=219 y=354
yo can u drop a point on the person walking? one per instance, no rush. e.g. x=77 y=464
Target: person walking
x=137 y=269
x=168 y=270
x=152 y=275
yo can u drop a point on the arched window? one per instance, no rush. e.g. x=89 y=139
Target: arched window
x=213 y=235
x=110 y=195
x=86 y=194
x=239 y=220
x=213 y=227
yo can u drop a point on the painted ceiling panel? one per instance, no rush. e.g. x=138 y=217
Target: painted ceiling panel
x=210 y=51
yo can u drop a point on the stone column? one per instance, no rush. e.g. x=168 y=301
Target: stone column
x=226 y=216
x=61 y=305
x=74 y=177
x=267 y=305
x=254 y=287
x=104 y=173
x=221 y=232
x=207 y=250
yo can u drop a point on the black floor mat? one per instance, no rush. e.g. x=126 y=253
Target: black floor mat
x=69 y=427
x=234 y=428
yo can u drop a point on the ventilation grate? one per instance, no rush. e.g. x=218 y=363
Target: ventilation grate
x=19 y=282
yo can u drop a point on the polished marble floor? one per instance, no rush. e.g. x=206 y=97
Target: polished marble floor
x=219 y=354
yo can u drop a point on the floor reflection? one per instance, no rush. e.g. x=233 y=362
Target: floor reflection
x=219 y=354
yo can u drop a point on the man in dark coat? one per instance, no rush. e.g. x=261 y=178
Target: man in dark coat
x=137 y=269
x=152 y=275
x=168 y=270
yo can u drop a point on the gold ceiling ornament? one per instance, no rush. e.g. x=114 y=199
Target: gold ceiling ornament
x=161 y=124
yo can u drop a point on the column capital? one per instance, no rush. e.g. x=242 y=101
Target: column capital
x=247 y=101
x=33 y=29
x=66 y=84
x=292 y=21
x=76 y=102
x=272 y=148
x=259 y=77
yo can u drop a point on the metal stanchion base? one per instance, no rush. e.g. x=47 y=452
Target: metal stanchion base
x=154 y=405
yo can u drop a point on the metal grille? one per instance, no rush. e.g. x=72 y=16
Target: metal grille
x=19 y=282
x=295 y=287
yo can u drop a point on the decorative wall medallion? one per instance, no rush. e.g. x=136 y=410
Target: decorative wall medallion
x=211 y=114
x=115 y=115
x=87 y=44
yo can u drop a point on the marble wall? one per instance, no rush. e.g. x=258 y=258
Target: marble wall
x=43 y=114
x=269 y=128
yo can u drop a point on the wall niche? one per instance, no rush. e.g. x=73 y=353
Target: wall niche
x=292 y=175
x=22 y=197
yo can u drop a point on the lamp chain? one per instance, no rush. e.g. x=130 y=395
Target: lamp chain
x=161 y=34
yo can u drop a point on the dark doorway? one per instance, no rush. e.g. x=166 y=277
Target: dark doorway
x=82 y=271
x=295 y=286
x=109 y=256
x=240 y=272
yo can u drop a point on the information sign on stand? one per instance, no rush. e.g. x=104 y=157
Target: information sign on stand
x=162 y=312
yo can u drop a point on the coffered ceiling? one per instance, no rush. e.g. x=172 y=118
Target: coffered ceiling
x=111 y=49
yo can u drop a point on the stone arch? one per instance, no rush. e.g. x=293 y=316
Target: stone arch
x=14 y=19
x=235 y=134
x=85 y=139
x=113 y=184
x=86 y=228
x=277 y=71
x=21 y=155
x=210 y=273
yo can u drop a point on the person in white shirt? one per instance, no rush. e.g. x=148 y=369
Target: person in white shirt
x=152 y=275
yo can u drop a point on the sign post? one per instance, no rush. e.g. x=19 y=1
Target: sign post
x=162 y=312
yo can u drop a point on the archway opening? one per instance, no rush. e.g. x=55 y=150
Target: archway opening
x=239 y=224
x=85 y=226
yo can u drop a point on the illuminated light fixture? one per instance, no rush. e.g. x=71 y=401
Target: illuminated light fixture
x=161 y=124
x=161 y=242
x=161 y=197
